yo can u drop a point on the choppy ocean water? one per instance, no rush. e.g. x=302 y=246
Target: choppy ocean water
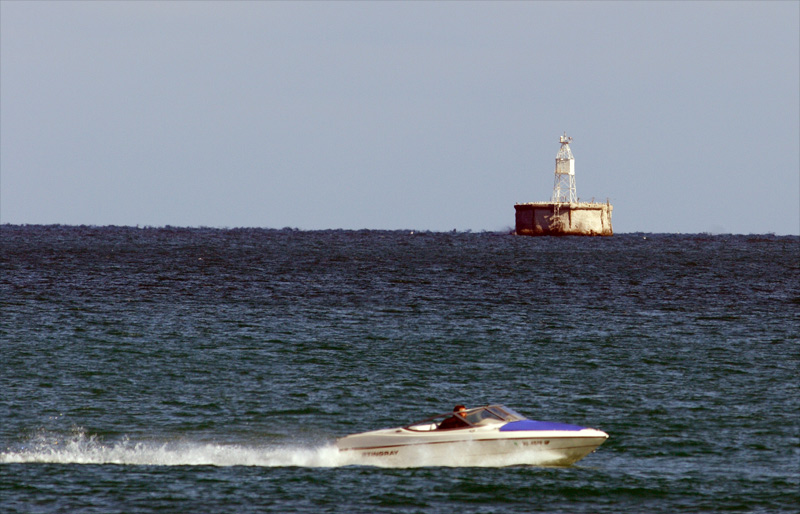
x=207 y=370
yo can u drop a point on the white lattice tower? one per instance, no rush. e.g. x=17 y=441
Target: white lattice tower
x=564 y=185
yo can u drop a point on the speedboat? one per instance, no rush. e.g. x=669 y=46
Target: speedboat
x=492 y=435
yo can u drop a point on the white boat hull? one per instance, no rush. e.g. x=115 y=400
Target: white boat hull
x=479 y=446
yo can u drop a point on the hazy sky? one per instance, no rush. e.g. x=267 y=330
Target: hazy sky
x=399 y=115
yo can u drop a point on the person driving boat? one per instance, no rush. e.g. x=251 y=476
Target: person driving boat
x=456 y=420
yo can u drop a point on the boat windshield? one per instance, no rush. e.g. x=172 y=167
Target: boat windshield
x=492 y=413
x=507 y=413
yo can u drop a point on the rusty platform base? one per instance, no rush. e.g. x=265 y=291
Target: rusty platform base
x=563 y=219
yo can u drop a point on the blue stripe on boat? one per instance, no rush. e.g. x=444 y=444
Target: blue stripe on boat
x=529 y=424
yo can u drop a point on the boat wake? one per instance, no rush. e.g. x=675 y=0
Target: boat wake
x=83 y=449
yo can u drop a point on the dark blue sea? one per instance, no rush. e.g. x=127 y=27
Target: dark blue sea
x=211 y=370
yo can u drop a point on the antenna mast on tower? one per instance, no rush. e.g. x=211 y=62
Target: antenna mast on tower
x=564 y=185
